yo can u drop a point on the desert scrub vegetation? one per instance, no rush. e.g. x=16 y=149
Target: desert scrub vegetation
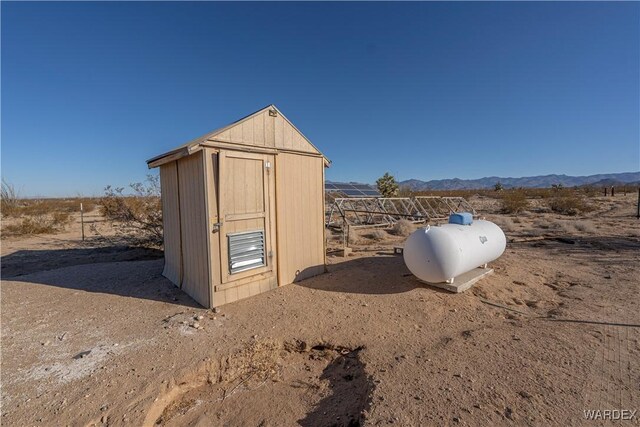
x=377 y=235
x=584 y=226
x=37 y=216
x=505 y=223
x=38 y=224
x=403 y=228
x=9 y=199
x=514 y=201
x=137 y=217
x=569 y=202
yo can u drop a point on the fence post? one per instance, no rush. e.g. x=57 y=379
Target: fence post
x=82 y=220
x=638 y=213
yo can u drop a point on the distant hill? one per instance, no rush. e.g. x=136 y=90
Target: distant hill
x=541 y=181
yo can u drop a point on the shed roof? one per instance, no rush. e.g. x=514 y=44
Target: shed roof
x=196 y=144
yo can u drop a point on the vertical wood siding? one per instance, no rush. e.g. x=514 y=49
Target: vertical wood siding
x=293 y=209
x=263 y=130
x=300 y=218
x=193 y=222
x=171 y=222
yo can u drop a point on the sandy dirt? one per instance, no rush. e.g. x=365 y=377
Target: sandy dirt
x=92 y=334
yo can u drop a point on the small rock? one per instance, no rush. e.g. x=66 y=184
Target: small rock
x=524 y=394
x=82 y=354
x=103 y=420
x=508 y=412
x=216 y=310
x=46 y=343
x=195 y=325
x=456 y=419
x=200 y=317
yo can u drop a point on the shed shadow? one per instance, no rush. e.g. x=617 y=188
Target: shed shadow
x=375 y=275
x=124 y=271
x=24 y=262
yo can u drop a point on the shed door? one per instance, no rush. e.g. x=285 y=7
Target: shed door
x=246 y=240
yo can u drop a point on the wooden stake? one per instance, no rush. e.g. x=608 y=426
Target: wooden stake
x=82 y=220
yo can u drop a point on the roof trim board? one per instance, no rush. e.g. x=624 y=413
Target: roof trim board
x=196 y=144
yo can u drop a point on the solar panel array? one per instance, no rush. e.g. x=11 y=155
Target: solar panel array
x=352 y=190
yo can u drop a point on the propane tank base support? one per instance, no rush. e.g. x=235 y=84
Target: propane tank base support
x=464 y=281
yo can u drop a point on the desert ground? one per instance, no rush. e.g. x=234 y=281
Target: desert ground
x=93 y=335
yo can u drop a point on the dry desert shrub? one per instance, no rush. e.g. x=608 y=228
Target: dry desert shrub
x=377 y=235
x=514 y=201
x=584 y=226
x=9 y=199
x=137 y=217
x=35 y=207
x=403 y=228
x=552 y=224
x=504 y=222
x=38 y=224
x=569 y=203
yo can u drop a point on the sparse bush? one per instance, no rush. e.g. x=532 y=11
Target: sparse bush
x=546 y=224
x=88 y=205
x=138 y=217
x=505 y=223
x=553 y=224
x=403 y=228
x=585 y=227
x=514 y=201
x=377 y=235
x=569 y=203
x=38 y=224
x=9 y=198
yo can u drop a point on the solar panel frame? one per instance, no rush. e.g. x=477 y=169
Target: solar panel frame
x=352 y=190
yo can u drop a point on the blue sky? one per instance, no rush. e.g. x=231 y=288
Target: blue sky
x=423 y=90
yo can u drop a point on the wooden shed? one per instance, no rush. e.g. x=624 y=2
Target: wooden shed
x=243 y=209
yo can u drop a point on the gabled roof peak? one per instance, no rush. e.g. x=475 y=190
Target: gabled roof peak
x=254 y=129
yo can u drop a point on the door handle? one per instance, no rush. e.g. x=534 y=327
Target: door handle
x=216 y=227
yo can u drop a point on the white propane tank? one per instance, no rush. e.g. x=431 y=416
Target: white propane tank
x=440 y=253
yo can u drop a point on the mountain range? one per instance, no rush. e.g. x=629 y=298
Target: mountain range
x=540 y=181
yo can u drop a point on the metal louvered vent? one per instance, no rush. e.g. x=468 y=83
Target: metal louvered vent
x=246 y=250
